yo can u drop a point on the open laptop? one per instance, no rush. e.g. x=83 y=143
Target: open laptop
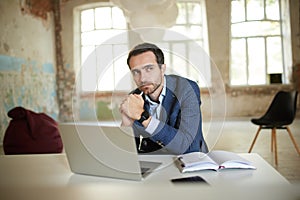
x=107 y=151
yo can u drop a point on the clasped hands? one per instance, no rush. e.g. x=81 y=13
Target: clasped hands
x=131 y=109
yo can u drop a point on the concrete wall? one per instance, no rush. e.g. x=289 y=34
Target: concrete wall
x=27 y=61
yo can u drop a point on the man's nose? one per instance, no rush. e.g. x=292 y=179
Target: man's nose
x=143 y=76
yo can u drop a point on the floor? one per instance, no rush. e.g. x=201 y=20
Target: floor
x=236 y=135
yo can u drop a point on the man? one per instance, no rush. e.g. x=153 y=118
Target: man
x=165 y=109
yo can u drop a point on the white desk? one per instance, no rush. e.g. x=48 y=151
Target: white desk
x=49 y=177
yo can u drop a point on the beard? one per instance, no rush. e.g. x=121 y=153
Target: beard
x=149 y=87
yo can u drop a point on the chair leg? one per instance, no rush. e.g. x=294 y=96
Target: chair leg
x=293 y=140
x=254 y=140
x=272 y=141
x=274 y=144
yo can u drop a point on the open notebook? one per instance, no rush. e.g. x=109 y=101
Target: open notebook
x=107 y=151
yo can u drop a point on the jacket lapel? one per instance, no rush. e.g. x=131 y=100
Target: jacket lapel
x=169 y=101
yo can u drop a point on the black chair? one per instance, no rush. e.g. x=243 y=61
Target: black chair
x=279 y=115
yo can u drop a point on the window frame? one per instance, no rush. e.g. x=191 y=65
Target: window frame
x=77 y=33
x=284 y=36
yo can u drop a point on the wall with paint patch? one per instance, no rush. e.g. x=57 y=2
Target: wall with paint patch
x=27 y=61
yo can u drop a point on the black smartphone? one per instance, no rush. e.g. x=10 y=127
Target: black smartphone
x=191 y=179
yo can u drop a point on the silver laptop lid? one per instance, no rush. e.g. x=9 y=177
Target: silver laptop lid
x=101 y=150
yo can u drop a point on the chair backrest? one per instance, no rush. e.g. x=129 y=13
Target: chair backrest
x=283 y=108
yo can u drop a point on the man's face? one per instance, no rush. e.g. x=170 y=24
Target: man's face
x=147 y=74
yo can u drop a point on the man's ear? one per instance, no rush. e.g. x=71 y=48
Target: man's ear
x=163 y=68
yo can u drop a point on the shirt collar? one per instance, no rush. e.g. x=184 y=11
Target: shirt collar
x=161 y=96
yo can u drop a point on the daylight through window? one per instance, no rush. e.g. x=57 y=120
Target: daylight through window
x=100 y=24
x=257 y=53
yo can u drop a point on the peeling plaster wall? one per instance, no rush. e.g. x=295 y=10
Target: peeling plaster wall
x=27 y=62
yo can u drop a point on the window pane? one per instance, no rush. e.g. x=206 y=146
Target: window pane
x=87 y=20
x=263 y=33
x=189 y=32
x=182 y=30
x=195 y=32
x=168 y=60
x=179 y=64
x=238 y=68
x=272 y=10
x=103 y=18
x=194 y=12
x=121 y=70
x=118 y=19
x=110 y=21
x=257 y=67
x=274 y=55
x=237 y=11
x=90 y=38
x=90 y=85
x=105 y=68
x=182 y=15
x=255 y=9
x=258 y=28
x=98 y=37
x=202 y=72
x=200 y=42
x=122 y=75
x=89 y=73
x=86 y=51
x=106 y=80
x=113 y=73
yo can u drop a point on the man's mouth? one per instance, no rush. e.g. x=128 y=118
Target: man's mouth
x=145 y=85
x=145 y=88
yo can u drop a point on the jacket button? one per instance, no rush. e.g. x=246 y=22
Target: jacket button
x=144 y=142
x=159 y=143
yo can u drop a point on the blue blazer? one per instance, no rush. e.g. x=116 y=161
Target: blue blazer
x=180 y=127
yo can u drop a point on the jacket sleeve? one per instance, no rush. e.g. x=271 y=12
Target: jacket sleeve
x=180 y=129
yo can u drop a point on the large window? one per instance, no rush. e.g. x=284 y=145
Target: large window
x=191 y=22
x=257 y=43
x=100 y=24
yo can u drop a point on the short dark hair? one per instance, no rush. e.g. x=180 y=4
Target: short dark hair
x=144 y=47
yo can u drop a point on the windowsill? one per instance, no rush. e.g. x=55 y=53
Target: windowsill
x=275 y=85
x=249 y=89
x=259 y=89
x=97 y=94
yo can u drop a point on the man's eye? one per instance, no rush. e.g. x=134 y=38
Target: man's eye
x=149 y=68
x=135 y=73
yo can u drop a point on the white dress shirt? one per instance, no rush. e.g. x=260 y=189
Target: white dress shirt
x=155 y=109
